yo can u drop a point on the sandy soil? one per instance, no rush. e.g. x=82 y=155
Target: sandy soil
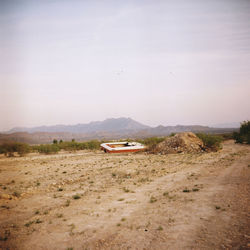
x=92 y=200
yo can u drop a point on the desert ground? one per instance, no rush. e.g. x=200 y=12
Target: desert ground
x=93 y=200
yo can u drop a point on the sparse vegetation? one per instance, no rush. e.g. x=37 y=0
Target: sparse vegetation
x=151 y=142
x=47 y=148
x=126 y=190
x=38 y=221
x=152 y=199
x=67 y=203
x=165 y=194
x=37 y=212
x=16 y=194
x=28 y=223
x=211 y=142
x=55 y=147
x=76 y=196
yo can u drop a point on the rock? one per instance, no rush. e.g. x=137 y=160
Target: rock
x=7 y=197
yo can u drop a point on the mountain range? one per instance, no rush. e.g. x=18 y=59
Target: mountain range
x=108 y=125
x=112 y=128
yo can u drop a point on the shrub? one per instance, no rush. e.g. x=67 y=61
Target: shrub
x=211 y=142
x=244 y=135
x=76 y=196
x=9 y=148
x=73 y=145
x=151 y=142
x=94 y=144
x=237 y=137
x=69 y=146
x=227 y=136
x=22 y=148
x=245 y=128
x=48 y=148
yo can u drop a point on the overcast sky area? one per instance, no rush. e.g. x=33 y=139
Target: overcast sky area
x=158 y=62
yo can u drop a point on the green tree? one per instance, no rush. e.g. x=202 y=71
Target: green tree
x=244 y=135
x=9 y=148
x=55 y=141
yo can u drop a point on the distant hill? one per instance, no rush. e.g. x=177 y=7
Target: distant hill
x=167 y=130
x=108 y=125
x=109 y=129
x=227 y=125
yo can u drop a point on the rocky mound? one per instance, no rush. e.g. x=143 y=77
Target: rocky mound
x=186 y=142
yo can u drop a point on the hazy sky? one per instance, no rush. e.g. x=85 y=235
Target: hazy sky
x=159 y=62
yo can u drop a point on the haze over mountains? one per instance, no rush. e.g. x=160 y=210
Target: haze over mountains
x=108 y=125
x=113 y=128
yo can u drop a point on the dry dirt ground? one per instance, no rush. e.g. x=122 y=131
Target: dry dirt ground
x=92 y=200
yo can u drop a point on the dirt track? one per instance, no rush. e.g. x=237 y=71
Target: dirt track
x=134 y=201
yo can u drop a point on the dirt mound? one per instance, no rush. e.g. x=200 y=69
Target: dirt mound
x=186 y=142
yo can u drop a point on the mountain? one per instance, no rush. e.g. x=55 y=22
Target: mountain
x=109 y=129
x=109 y=125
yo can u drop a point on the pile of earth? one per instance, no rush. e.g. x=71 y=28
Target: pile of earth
x=186 y=142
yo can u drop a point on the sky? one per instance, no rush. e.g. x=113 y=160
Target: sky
x=162 y=62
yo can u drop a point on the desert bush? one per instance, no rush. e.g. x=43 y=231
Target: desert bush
x=65 y=145
x=94 y=144
x=9 y=148
x=48 y=148
x=226 y=136
x=22 y=148
x=237 y=137
x=151 y=142
x=244 y=135
x=73 y=145
x=69 y=146
x=211 y=142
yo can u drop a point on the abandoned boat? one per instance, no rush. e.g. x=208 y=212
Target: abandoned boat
x=121 y=147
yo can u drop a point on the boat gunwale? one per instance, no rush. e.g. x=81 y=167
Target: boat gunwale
x=136 y=147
